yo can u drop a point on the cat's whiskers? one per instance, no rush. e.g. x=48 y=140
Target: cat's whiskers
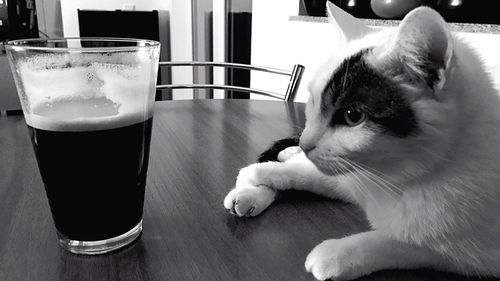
x=380 y=176
x=373 y=180
x=336 y=168
x=339 y=169
x=361 y=186
x=384 y=188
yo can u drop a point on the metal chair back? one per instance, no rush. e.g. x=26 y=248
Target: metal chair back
x=291 y=91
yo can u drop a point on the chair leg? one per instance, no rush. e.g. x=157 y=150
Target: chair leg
x=293 y=85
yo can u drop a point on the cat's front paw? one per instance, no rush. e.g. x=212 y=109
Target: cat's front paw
x=250 y=200
x=250 y=196
x=288 y=153
x=334 y=259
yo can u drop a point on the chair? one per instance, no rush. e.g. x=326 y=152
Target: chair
x=289 y=95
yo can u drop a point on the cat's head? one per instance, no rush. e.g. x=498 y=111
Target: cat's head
x=382 y=101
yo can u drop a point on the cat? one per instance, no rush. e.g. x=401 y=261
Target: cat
x=405 y=123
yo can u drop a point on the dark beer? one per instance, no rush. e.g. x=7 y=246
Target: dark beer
x=94 y=179
x=88 y=104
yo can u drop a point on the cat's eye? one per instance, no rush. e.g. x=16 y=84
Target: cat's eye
x=354 y=116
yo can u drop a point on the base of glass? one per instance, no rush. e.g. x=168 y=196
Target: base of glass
x=101 y=246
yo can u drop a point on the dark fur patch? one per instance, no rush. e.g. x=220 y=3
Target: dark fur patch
x=357 y=84
x=271 y=154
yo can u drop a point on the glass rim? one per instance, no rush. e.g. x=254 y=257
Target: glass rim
x=27 y=44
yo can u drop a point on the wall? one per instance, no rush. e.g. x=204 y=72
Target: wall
x=202 y=42
x=209 y=37
x=49 y=18
x=70 y=17
x=487 y=46
x=280 y=42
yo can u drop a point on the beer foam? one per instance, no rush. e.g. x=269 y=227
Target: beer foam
x=83 y=115
x=83 y=94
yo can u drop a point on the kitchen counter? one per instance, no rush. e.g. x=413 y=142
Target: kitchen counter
x=455 y=26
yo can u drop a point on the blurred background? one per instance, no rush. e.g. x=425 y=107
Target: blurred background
x=462 y=11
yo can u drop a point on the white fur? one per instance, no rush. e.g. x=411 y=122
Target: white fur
x=434 y=199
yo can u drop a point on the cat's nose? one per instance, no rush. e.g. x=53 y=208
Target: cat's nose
x=306 y=147
x=308 y=139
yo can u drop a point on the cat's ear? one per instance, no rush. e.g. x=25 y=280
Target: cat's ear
x=423 y=48
x=350 y=27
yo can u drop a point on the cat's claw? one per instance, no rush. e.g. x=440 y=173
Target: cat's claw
x=247 y=214
x=249 y=201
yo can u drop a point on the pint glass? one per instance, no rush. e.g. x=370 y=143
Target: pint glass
x=88 y=105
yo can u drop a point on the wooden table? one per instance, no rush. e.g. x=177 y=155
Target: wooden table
x=197 y=149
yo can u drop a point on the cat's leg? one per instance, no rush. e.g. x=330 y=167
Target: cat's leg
x=257 y=185
x=361 y=254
